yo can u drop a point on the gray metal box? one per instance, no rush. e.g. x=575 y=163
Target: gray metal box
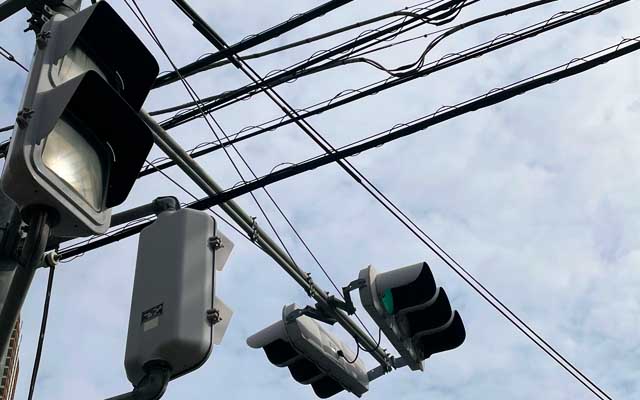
x=172 y=292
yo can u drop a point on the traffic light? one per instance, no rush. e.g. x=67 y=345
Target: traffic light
x=79 y=143
x=414 y=314
x=175 y=317
x=314 y=357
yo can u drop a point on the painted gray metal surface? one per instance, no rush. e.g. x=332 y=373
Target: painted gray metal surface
x=63 y=79
x=173 y=290
x=311 y=343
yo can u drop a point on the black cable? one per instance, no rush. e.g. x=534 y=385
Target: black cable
x=11 y=58
x=377 y=342
x=6 y=128
x=484 y=101
x=341 y=353
x=278 y=100
x=446 y=61
x=251 y=41
x=445 y=113
x=315 y=38
x=430 y=16
x=406 y=11
x=463 y=273
x=194 y=96
x=503 y=40
x=43 y=328
x=181 y=187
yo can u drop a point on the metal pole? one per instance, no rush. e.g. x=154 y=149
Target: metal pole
x=168 y=145
x=33 y=250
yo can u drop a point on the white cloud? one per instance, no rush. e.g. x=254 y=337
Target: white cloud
x=536 y=197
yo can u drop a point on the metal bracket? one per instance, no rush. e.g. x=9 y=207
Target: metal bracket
x=213 y=316
x=254 y=230
x=51 y=259
x=215 y=243
x=347 y=304
x=165 y=203
x=42 y=39
x=23 y=117
x=311 y=313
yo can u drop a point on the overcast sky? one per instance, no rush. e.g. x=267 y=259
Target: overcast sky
x=537 y=197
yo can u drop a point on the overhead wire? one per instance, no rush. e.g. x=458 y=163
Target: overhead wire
x=559 y=19
x=43 y=328
x=347 y=96
x=403 y=12
x=11 y=58
x=399 y=215
x=435 y=15
x=252 y=41
x=325 y=272
x=443 y=113
x=473 y=282
x=572 y=68
x=402 y=217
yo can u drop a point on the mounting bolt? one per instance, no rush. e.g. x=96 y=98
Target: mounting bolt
x=213 y=316
x=42 y=39
x=51 y=259
x=23 y=117
x=215 y=243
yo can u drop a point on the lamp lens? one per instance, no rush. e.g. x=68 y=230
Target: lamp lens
x=74 y=160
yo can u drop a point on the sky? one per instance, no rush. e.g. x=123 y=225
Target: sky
x=537 y=197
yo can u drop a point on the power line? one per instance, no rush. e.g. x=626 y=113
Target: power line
x=437 y=15
x=446 y=61
x=463 y=273
x=11 y=58
x=403 y=12
x=348 y=96
x=252 y=41
x=574 y=67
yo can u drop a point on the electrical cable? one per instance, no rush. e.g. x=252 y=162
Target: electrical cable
x=6 y=128
x=402 y=12
x=278 y=100
x=251 y=41
x=444 y=113
x=557 y=20
x=446 y=61
x=434 y=16
x=395 y=211
x=11 y=58
x=464 y=274
x=43 y=328
x=341 y=353
x=399 y=218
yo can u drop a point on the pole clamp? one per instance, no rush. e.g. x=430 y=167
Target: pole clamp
x=23 y=117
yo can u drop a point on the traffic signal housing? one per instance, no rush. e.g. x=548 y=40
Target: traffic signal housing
x=175 y=316
x=413 y=313
x=79 y=143
x=314 y=356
